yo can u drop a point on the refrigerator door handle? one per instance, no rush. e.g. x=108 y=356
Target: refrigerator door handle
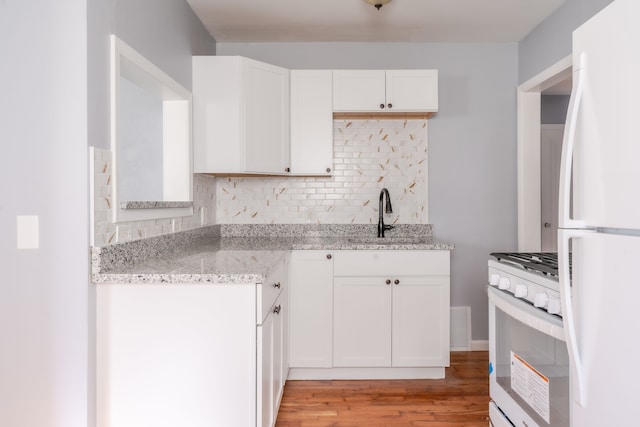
x=564 y=236
x=568 y=145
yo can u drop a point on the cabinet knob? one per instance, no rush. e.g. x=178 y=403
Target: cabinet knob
x=276 y=285
x=328 y=170
x=382 y=106
x=389 y=105
x=397 y=282
x=329 y=256
x=277 y=309
x=388 y=281
x=287 y=169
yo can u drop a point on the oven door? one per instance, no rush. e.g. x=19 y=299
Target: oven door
x=528 y=363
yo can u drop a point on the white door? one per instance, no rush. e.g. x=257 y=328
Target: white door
x=267 y=142
x=311 y=122
x=265 y=415
x=420 y=332
x=359 y=90
x=606 y=291
x=279 y=311
x=311 y=321
x=362 y=322
x=412 y=90
x=550 y=154
x=606 y=61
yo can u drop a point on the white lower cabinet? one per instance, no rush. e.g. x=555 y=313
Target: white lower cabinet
x=369 y=314
x=271 y=369
x=192 y=355
x=311 y=298
x=380 y=324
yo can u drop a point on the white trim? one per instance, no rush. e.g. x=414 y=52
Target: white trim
x=177 y=135
x=528 y=148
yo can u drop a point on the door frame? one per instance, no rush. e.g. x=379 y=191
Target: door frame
x=528 y=149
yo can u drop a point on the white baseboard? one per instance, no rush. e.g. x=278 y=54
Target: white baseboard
x=480 y=345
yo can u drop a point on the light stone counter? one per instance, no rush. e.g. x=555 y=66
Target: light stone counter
x=215 y=255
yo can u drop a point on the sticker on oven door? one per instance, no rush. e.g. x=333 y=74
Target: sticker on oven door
x=530 y=385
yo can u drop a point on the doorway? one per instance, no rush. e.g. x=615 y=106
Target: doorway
x=531 y=161
x=550 y=154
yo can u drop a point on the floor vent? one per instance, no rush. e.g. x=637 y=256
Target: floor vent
x=460 y=329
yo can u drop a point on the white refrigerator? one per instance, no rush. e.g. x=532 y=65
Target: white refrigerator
x=599 y=220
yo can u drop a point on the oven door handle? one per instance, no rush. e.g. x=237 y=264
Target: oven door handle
x=525 y=313
x=564 y=236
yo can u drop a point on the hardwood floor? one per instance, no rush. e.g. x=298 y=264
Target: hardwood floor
x=461 y=399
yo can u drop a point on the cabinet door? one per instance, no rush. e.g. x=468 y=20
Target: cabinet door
x=311 y=314
x=265 y=398
x=359 y=90
x=266 y=127
x=362 y=322
x=412 y=90
x=311 y=122
x=278 y=315
x=420 y=322
x=217 y=121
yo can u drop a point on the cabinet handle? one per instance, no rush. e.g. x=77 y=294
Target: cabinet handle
x=287 y=169
x=328 y=170
x=390 y=105
x=397 y=282
x=382 y=106
x=276 y=285
x=277 y=309
x=388 y=281
x=329 y=256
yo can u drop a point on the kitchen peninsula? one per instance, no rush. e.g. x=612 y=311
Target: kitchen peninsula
x=204 y=327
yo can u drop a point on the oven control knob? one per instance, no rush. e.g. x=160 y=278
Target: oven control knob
x=493 y=279
x=504 y=283
x=541 y=300
x=554 y=306
x=521 y=291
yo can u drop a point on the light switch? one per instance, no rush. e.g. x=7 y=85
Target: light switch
x=28 y=232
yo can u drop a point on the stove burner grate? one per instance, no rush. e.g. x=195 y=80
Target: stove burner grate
x=542 y=262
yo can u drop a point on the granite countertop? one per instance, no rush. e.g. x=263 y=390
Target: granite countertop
x=205 y=256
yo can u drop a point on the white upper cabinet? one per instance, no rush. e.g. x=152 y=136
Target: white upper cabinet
x=385 y=91
x=241 y=116
x=311 y=122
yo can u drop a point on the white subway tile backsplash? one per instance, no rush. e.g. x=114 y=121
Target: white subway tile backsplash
x=368 y=155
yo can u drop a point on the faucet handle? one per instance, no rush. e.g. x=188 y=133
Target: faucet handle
x=388 y=227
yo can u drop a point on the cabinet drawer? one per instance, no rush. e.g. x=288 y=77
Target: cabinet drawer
x=268 y=291
x=391 y=263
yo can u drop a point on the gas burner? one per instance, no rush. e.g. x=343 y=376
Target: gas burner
x=545 y=263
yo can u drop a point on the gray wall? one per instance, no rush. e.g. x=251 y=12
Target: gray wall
x=551 y=40
x=166 y=32
x=553 y=109
x=54 y=104
x=472 y=157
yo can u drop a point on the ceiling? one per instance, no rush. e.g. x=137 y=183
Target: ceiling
x=244 y=21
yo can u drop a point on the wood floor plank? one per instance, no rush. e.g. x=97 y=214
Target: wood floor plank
x=461 y=399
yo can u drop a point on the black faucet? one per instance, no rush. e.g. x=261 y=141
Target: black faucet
x=384 y=193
